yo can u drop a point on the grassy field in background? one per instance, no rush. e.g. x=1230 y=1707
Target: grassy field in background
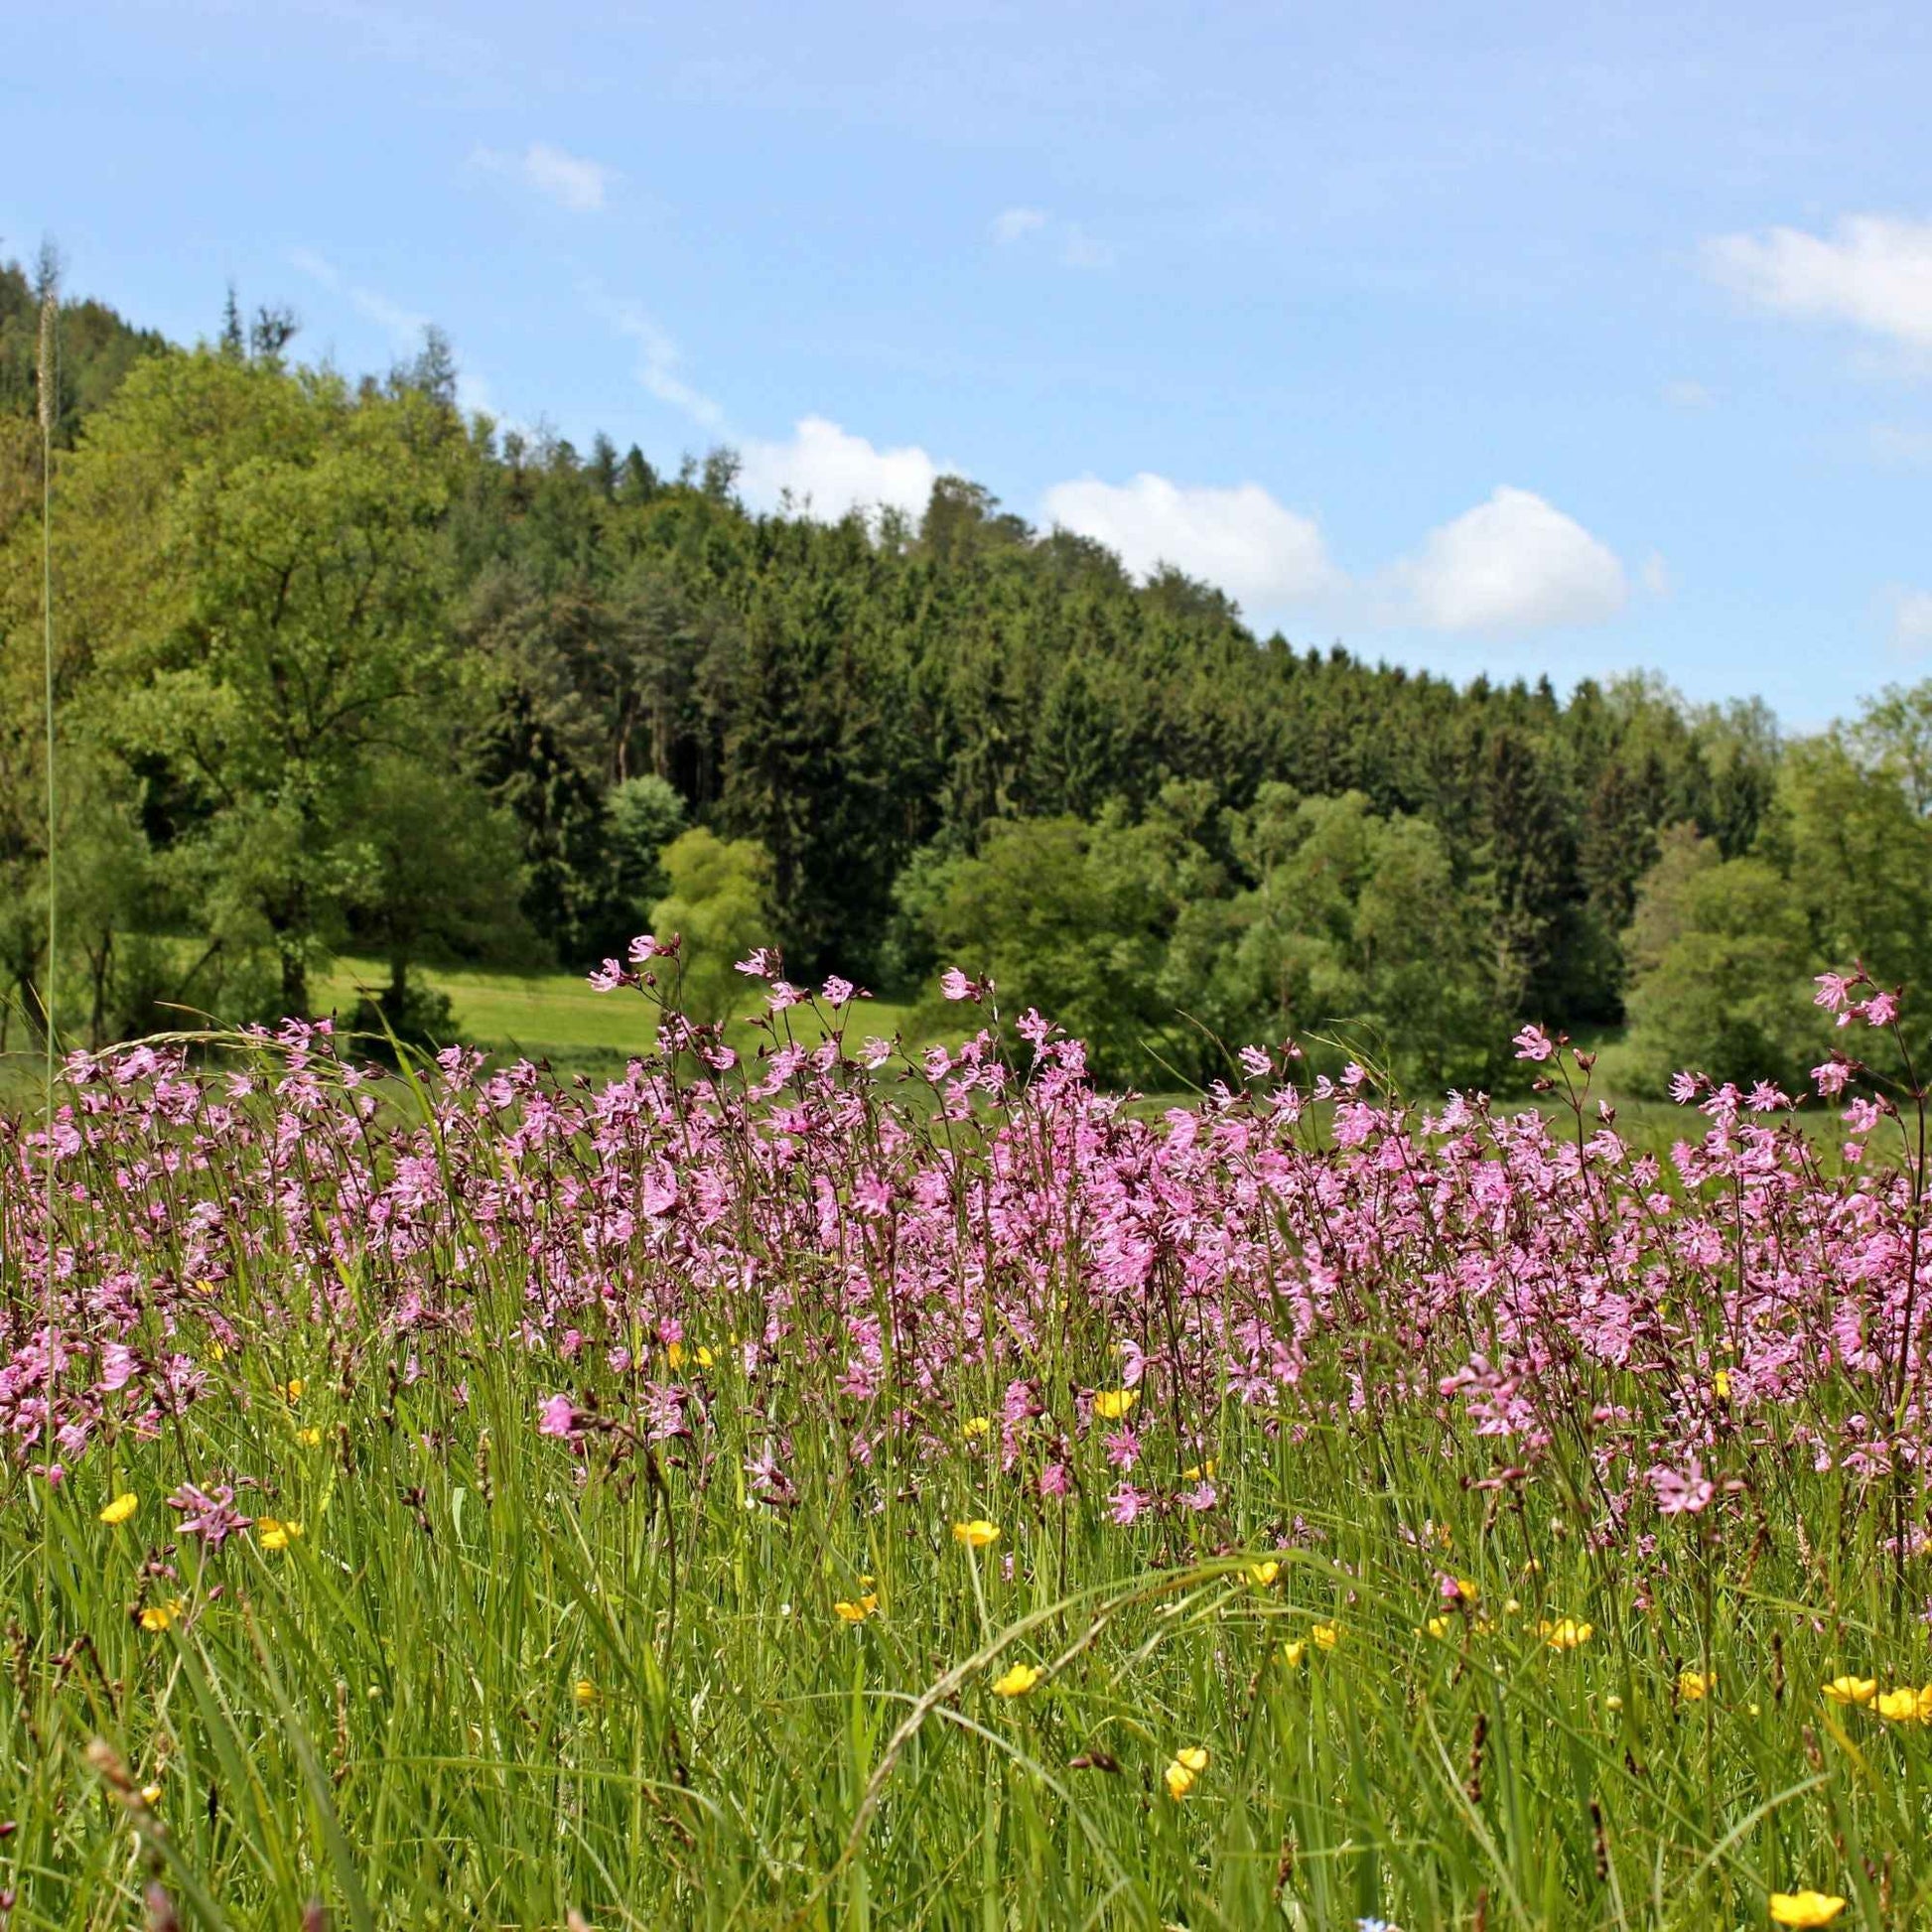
x=557 y=1017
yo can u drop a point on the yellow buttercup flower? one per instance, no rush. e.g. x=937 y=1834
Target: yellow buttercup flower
x=1326 y=1635
x=158 y=1617
x=1293 y=1651
x=122 y=1508
x=1262 y=1575
x=1723 y=1382
x=275 y=1534
x=1199 y=1472
x=1694 y=1685
x=977 y=1534
x=855 y=1612
x=293 y=1388
x=674 y=1354
x=1851 y=1690
x=584 y=1694
x=1437 y=1627
x=1613 y=1701
x=1805 y=1908
x=151 y=1795
x=704 y=1357
x=1016 y=1682
x=976 y=1426
x=1566 y=1633
x=1897 y=1707
x=1511 y=1606
x=1189 y=1761
x=309 y=1437
x=1110 y=1404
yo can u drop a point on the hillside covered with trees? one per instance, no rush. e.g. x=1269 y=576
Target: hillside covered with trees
x=339 y=670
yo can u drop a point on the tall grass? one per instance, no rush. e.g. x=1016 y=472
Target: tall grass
x=745 y=1497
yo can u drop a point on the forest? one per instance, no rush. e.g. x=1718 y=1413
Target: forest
x=339 y=670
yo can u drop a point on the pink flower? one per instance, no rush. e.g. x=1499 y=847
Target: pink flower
x=839 y=991
x=1881 y=1009
x=558 y=1418
x=956 y=986
x=1054 y=1481
x=1533 y=1043
x=643 y=948
x=210 y=1515
x=1681 y=1493
x=761 y=965
x=1831 y=1078
x=1128 y=1502
x=1833 y=989
x=606 y=977
x=1256 y=1063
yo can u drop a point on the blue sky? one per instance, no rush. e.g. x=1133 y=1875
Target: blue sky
x=1515 y=339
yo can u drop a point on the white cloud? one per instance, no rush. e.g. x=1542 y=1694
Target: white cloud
x=572 y=180
x=1240 y=539
x=658 y=360
x=1875 y=272
x=828 y=471
x=1012 y=223
x=1513 y=563
x=1911 y=623
x=1655 y=575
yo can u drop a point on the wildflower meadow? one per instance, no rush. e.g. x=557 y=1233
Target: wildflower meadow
x=838 y=1486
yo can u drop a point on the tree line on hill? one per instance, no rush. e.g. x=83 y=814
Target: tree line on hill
x=339 y=670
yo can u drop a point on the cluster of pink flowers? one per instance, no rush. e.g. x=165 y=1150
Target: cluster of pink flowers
x=956 y=1252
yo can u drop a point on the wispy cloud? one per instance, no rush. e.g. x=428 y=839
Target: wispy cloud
x=572 y=180
x=370 y=304
x=1077 y=248
x=1686 y=394
x=1911 y=622
x=1010 y=224
x=403 y=326
x=659 y=363
x=1901 y=446
x=1873 y=272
